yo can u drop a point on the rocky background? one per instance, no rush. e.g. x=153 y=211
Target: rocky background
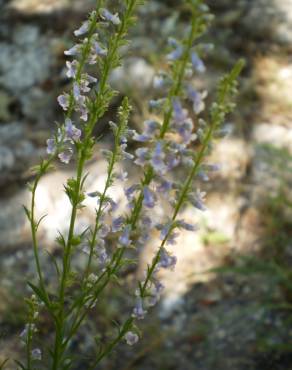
x=235 y=317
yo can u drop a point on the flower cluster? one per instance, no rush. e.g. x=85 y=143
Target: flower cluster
x=176 y=138
x=89 y=50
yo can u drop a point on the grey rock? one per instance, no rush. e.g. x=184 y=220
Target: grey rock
x=36 y=104
x=12 y=219
x=17 y=152
x=134 y=75
x=31 y=58
x=256 y=20
x=7 y=158
x=5 y=101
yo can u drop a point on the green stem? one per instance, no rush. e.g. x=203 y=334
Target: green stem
x=116 y=260
x=108 y=65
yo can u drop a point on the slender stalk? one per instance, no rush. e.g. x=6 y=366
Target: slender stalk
x=216 y=120
x=109 y=63
x=148 y=177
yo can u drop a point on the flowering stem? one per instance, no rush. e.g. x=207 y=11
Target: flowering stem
x=216 y=120
x=179 y=73
x=100 y=105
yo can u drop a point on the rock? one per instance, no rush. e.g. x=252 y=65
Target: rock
x=17 y=152
x=275 y=17
x=36 y=104
x=52 y=200
x=233 y=155
x=13 y=223
x=5 y=101
x=36 y=6
x=135 y=75
x=31 y=57
x=7 y=159
x=276 y=135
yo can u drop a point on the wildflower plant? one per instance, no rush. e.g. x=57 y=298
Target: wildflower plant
x=177 y=138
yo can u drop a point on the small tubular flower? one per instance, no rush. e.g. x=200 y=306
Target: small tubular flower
x=131 y=338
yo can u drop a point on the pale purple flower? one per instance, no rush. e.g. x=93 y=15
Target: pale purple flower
x=117 y=224
x=104 y=231
x=24 y=332
x=171 y=238
x=185 y=131
x=84 y=113
x=161 y=80
x=179 y=114
x=138 y=311
x=156 y=291
x=142 y=156
x=64 y=101
x=156 y=104
x=124 y=239
x=85 y=80
x=103 y=258
x=130 y=192
x=98 y=49
x=197 y=200
x=197 y=63
x=76 y=92
x=142 y=138
x=124 y=153
x=173 y=42
x=36 y=354
x=177 y=52
x=86 y=249
x=187 y=226
x=145 y=236
x=166 y=260
x=131 y=338
x=108 y=16
x=164 y=186
x=157 y=159
x=151 y=127
x=84 y=85
x=197 y=99
x=213 y=167
x=112 y=205
x=172 y=160
x=159 y=287
x=75 y=50
x=164 y=230
x=203 y=176
x=83 y=29
x=66 y=155
x=71 y=68
x=51 y=146
x=72 y=132
x=149 y=197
